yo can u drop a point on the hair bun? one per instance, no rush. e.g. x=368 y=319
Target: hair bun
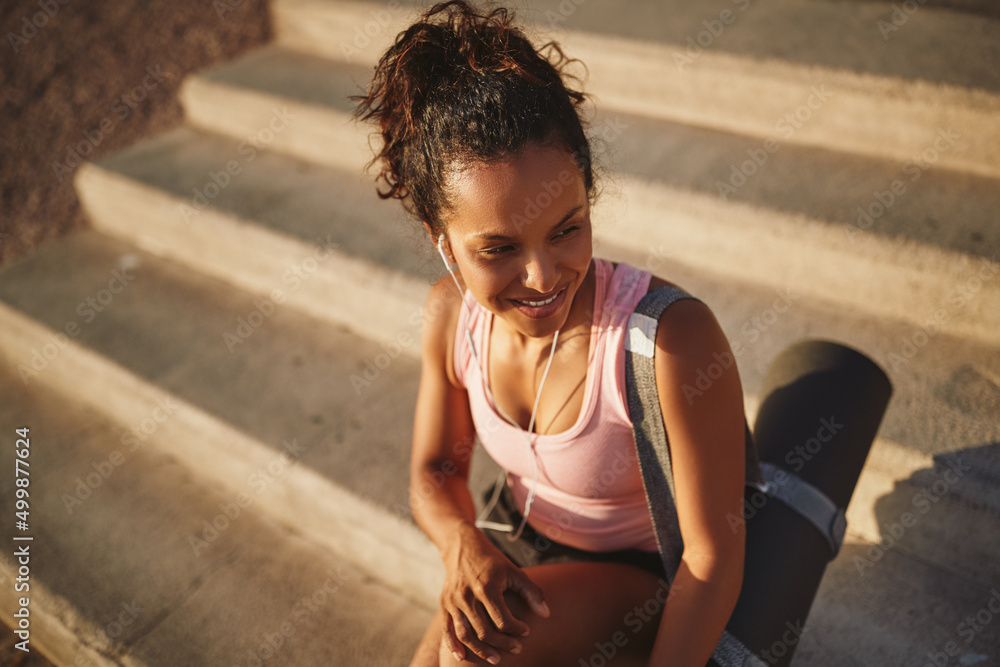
x=460 y=85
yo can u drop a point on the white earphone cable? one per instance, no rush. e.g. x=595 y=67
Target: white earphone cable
x=480 y=521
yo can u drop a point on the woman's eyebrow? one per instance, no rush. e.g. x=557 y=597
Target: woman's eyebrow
x=492 y=236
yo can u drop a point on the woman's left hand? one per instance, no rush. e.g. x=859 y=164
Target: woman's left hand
x=477 y=617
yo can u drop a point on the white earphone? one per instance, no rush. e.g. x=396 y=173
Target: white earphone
x=480 y=521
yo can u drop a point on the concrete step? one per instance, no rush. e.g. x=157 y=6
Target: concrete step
x=268 y=228
x=830 y=222
x=283 y=100
x=749 y=71
x=901 y=611
x=275 y=414
x=137 y=560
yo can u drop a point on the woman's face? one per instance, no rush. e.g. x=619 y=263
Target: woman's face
x=521 y=236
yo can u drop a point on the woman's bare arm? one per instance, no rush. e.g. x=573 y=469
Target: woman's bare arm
x=705 y=427
x=477 y=574
x=443 y=432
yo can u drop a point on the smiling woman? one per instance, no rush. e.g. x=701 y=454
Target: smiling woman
x=529 y=274
x=482 y=142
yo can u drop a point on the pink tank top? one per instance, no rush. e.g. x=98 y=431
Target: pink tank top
x=589 y=493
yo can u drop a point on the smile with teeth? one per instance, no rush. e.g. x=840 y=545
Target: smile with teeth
x=539 y=304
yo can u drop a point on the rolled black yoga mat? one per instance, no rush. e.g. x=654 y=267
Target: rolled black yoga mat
x=822 y=406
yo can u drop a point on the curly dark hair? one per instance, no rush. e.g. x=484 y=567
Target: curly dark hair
x=459 y=88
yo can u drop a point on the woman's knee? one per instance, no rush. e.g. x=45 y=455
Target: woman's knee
x=591 y=604
x=533 y=653
x=426 y=654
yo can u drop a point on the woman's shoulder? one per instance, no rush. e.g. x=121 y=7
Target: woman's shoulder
x=655 y=282
x=686 y=320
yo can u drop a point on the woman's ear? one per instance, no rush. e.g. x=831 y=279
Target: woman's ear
x=440 y=242
x=446 y=256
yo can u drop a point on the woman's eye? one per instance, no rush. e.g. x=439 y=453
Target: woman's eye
x=499 y=250
x=504 y=249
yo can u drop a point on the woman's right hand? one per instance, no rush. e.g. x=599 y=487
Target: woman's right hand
x=477 y=617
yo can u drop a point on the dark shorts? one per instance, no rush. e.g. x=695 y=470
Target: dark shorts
x=533 y=548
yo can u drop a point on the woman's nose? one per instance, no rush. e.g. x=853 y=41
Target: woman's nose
x=540 y=274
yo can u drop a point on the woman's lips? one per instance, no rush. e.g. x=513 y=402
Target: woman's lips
x=538 y=309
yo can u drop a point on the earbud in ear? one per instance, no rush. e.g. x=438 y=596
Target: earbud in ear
x=451 y=266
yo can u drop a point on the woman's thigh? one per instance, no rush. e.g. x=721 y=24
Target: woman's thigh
x=602 y=614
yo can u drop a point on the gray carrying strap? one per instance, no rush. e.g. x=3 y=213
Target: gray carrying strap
x=731 y=652
x=647 y=424
x=653 y=450
x=652 y=444
x=808 y=501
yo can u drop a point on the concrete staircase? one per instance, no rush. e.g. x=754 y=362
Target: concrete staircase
x=219 y=377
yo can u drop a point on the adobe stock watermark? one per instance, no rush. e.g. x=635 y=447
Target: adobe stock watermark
x=795 y=459
x=547 y=193
x=375 y=365
x=88 y=310
x=706 y=38
x=802 y=454
x=294 y=276
x=562 y=13
x=967 y=630
x=381 y=21
x=914 y=168
x=121 y=109
x=601 y=138
x=37 y=21
x=789 y=638
x=786 y=127
x=634 y=621
x=144 y=429
x=259 y=481
x=621 y=465
x=756 y=326
x=102 y=470
x=124 y=620
x=922 y=502
x=217 y=181
x=270 y=643
x=898 y=17
x=751 y=330
x=956 y=299
x=433 y=480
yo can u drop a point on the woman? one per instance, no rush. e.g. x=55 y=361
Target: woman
x=483 y=142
